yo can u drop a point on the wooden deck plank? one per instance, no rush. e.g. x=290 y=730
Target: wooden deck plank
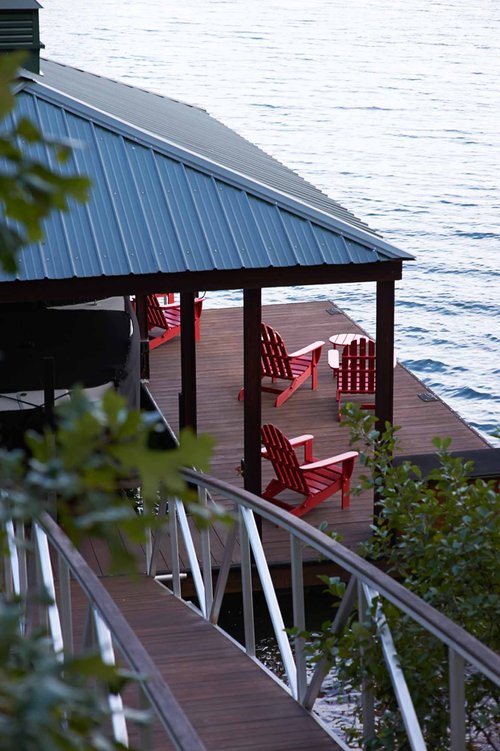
x=230 y=701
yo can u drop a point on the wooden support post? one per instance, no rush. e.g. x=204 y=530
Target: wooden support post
x=384 y=397
x=141 y=312
x=252 y=311
x=49 y=391
x=188 y=412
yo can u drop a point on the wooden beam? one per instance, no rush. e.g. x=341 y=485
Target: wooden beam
x=92 y=287
x=188 y=411
x=252 y=311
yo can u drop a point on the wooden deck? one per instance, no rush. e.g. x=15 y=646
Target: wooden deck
x=220 y=376
x=230 y=701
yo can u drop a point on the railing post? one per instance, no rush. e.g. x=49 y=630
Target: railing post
x=403 y=696
x=174 y=547
x=367 y=697
x=457 y=700
x=191 y=555
x=66 y=609
x=47 y=582
x=205 y=555
x=246 y=587
x=299 y=620
x=159 y=536
x=104 y=641
x=12 y=575
x=23 y=563
x=268 y=590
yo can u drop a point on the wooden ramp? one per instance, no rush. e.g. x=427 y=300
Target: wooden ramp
x=231 y=702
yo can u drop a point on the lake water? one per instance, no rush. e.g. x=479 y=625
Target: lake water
x=393 y=109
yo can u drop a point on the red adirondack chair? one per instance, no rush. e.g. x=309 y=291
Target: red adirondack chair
x=355 y=371
x=316 y=479
x=164 y=319
x=278 y=364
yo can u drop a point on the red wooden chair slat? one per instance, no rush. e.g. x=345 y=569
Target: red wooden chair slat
x=166 y=318
x=357 y=371
x=278 y=364
x=315 y=483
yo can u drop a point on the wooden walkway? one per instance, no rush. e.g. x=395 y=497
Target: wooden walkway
x=230 y=701
x=220 y=376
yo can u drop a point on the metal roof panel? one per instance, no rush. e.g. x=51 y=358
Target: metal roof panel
x=190 y=127
x=156 y=207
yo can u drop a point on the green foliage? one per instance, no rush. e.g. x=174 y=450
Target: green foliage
x=48 y=703
x=83 y=469
x=439 y=536
x=79 y=472
x=29 y=189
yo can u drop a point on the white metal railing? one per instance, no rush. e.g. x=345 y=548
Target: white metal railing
x=106 y=629
x=366 y=585
x=109 y=631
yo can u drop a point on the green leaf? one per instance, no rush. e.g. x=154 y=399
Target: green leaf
x=27 y=130
x=9 y=65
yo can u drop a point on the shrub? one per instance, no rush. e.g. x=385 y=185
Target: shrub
x=439 y=536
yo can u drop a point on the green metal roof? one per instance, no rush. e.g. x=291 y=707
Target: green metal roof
x=186 y=202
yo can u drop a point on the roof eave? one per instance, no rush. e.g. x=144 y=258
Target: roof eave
x=210 y=280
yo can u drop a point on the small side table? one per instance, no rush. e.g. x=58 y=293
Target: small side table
x=343 y=340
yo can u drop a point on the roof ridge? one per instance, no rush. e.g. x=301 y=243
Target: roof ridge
x=118 y=82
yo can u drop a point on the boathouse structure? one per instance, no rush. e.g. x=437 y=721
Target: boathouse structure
x=182 y=203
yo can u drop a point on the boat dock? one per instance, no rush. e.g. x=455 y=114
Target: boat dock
x=220 y=377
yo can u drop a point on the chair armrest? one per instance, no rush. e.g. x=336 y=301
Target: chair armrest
x=300 y=439
x=198 y=303
x=334 y=359
x=169 y=306
x=305 y=350
x=332 y=460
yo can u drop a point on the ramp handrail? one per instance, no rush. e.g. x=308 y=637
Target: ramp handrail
x=367 y=582
x=110 y=627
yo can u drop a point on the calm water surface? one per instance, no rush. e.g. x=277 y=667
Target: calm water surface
x=390 y=108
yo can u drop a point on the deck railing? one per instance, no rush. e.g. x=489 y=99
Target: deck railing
x=106 y=629
x=111 y=632
x=366 y=582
